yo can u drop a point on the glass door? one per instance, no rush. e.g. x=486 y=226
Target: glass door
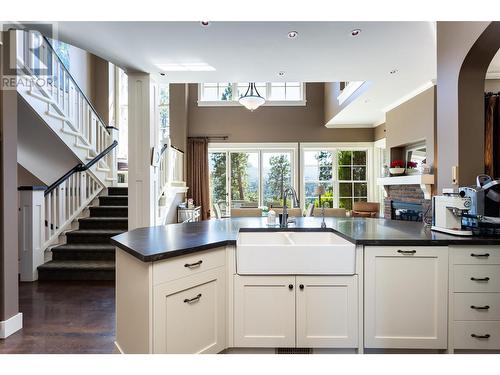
x=244 y=184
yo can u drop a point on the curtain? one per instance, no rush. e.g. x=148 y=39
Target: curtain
x=197 y=174
x=492 y=135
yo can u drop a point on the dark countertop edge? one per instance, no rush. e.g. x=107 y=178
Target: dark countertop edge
x=171 y=253
x=367 y=242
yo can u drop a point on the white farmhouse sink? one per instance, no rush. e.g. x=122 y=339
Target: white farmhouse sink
x=289 y=253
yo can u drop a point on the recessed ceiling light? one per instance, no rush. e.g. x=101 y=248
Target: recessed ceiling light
x=293 y=34
x=205 y=23
x=355 y=32
x=281 y=73
x=394 y=71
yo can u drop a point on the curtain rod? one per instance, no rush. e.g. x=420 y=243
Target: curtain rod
x=208 y=138
x=492 y=93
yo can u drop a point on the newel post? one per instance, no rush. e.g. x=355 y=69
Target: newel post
x=31 y=230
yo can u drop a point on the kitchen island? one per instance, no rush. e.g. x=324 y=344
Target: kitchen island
x=368 y=284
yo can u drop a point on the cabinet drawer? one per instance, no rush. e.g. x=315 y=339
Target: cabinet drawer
x=463 y=332
x=476 y=306
x=476 y=278
x=188 y=265
x=476 y=255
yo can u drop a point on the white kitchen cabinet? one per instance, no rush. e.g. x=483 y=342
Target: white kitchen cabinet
x=327 y=311
x=264 y=311
x=190 y=314
x=406 y=297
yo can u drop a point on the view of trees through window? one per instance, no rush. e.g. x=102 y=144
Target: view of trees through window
x=277 y=176
x=254 y=178
x=318 y=170
x=244 y=179
x=352 y=178
x=249 y=178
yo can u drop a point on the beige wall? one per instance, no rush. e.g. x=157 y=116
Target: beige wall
x=379 y=132
x=413 y=121
x=9 y=295
x=492 y=85
x=178 y=115
x=454 y=41
x=100 y=87
x=269 y=123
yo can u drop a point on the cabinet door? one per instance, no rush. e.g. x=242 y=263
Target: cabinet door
x=190 y=313
x=327 y=311
x=264 y=311
x=406 y=297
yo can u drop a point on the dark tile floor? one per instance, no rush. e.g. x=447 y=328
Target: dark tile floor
x=65 y=317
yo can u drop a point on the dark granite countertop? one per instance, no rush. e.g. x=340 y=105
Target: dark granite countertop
x=162 y=242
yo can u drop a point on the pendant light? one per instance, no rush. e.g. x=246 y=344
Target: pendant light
x=252 y=99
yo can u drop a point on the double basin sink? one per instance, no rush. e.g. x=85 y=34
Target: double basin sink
x=294 y=253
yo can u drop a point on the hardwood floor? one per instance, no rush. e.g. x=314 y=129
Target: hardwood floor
x=65 y=317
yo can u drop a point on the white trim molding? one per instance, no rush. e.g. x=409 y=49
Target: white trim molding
x=349 y=90
x=424 y=180
x=493 y=75
x=11 y=325
x=409 y=96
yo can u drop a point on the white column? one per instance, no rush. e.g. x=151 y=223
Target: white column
x=143 y=136
x=31 y=231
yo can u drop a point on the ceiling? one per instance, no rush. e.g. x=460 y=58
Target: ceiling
x=257 y=51
x=495 y=65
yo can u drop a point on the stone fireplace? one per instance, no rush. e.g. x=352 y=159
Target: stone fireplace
x=397 y=195
x=407 y=197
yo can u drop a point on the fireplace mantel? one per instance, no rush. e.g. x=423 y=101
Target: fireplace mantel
x=424 y=180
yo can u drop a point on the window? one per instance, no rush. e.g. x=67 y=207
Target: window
x=341 y=173
x=286 y=91
x=217 y=91
x=122 y=114
x=251 y=177
x=276 y=176
x=275 y=93
x=352 y=178
x=318 y=170
x=164 y=101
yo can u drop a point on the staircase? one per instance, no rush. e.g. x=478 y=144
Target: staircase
x=87 y=254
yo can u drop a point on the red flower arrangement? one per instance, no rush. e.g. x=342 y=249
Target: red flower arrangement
x=397 y=164
x=411 y=165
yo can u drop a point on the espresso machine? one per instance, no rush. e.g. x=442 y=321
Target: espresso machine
x=483 y=218
x=448 y=210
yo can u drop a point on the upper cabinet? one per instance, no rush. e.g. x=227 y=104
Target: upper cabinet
x=406 y=297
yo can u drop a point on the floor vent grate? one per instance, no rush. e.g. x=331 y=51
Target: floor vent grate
x=293 y=351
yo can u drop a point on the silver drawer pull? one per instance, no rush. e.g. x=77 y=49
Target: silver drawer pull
x=486 y=307
x=192 y=265
x=407 y=252
x=485 y=255
x=192 y=300
x=480 y=278
x=487 y=336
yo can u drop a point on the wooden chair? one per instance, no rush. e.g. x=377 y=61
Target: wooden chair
x=246 y=212
x=330 y=212
x=292 y=212
x=365 y=209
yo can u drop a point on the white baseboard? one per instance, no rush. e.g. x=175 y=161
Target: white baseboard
x=11 y=325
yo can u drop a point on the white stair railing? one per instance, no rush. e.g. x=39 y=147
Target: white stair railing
x=66 y=201
x=53 y=84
